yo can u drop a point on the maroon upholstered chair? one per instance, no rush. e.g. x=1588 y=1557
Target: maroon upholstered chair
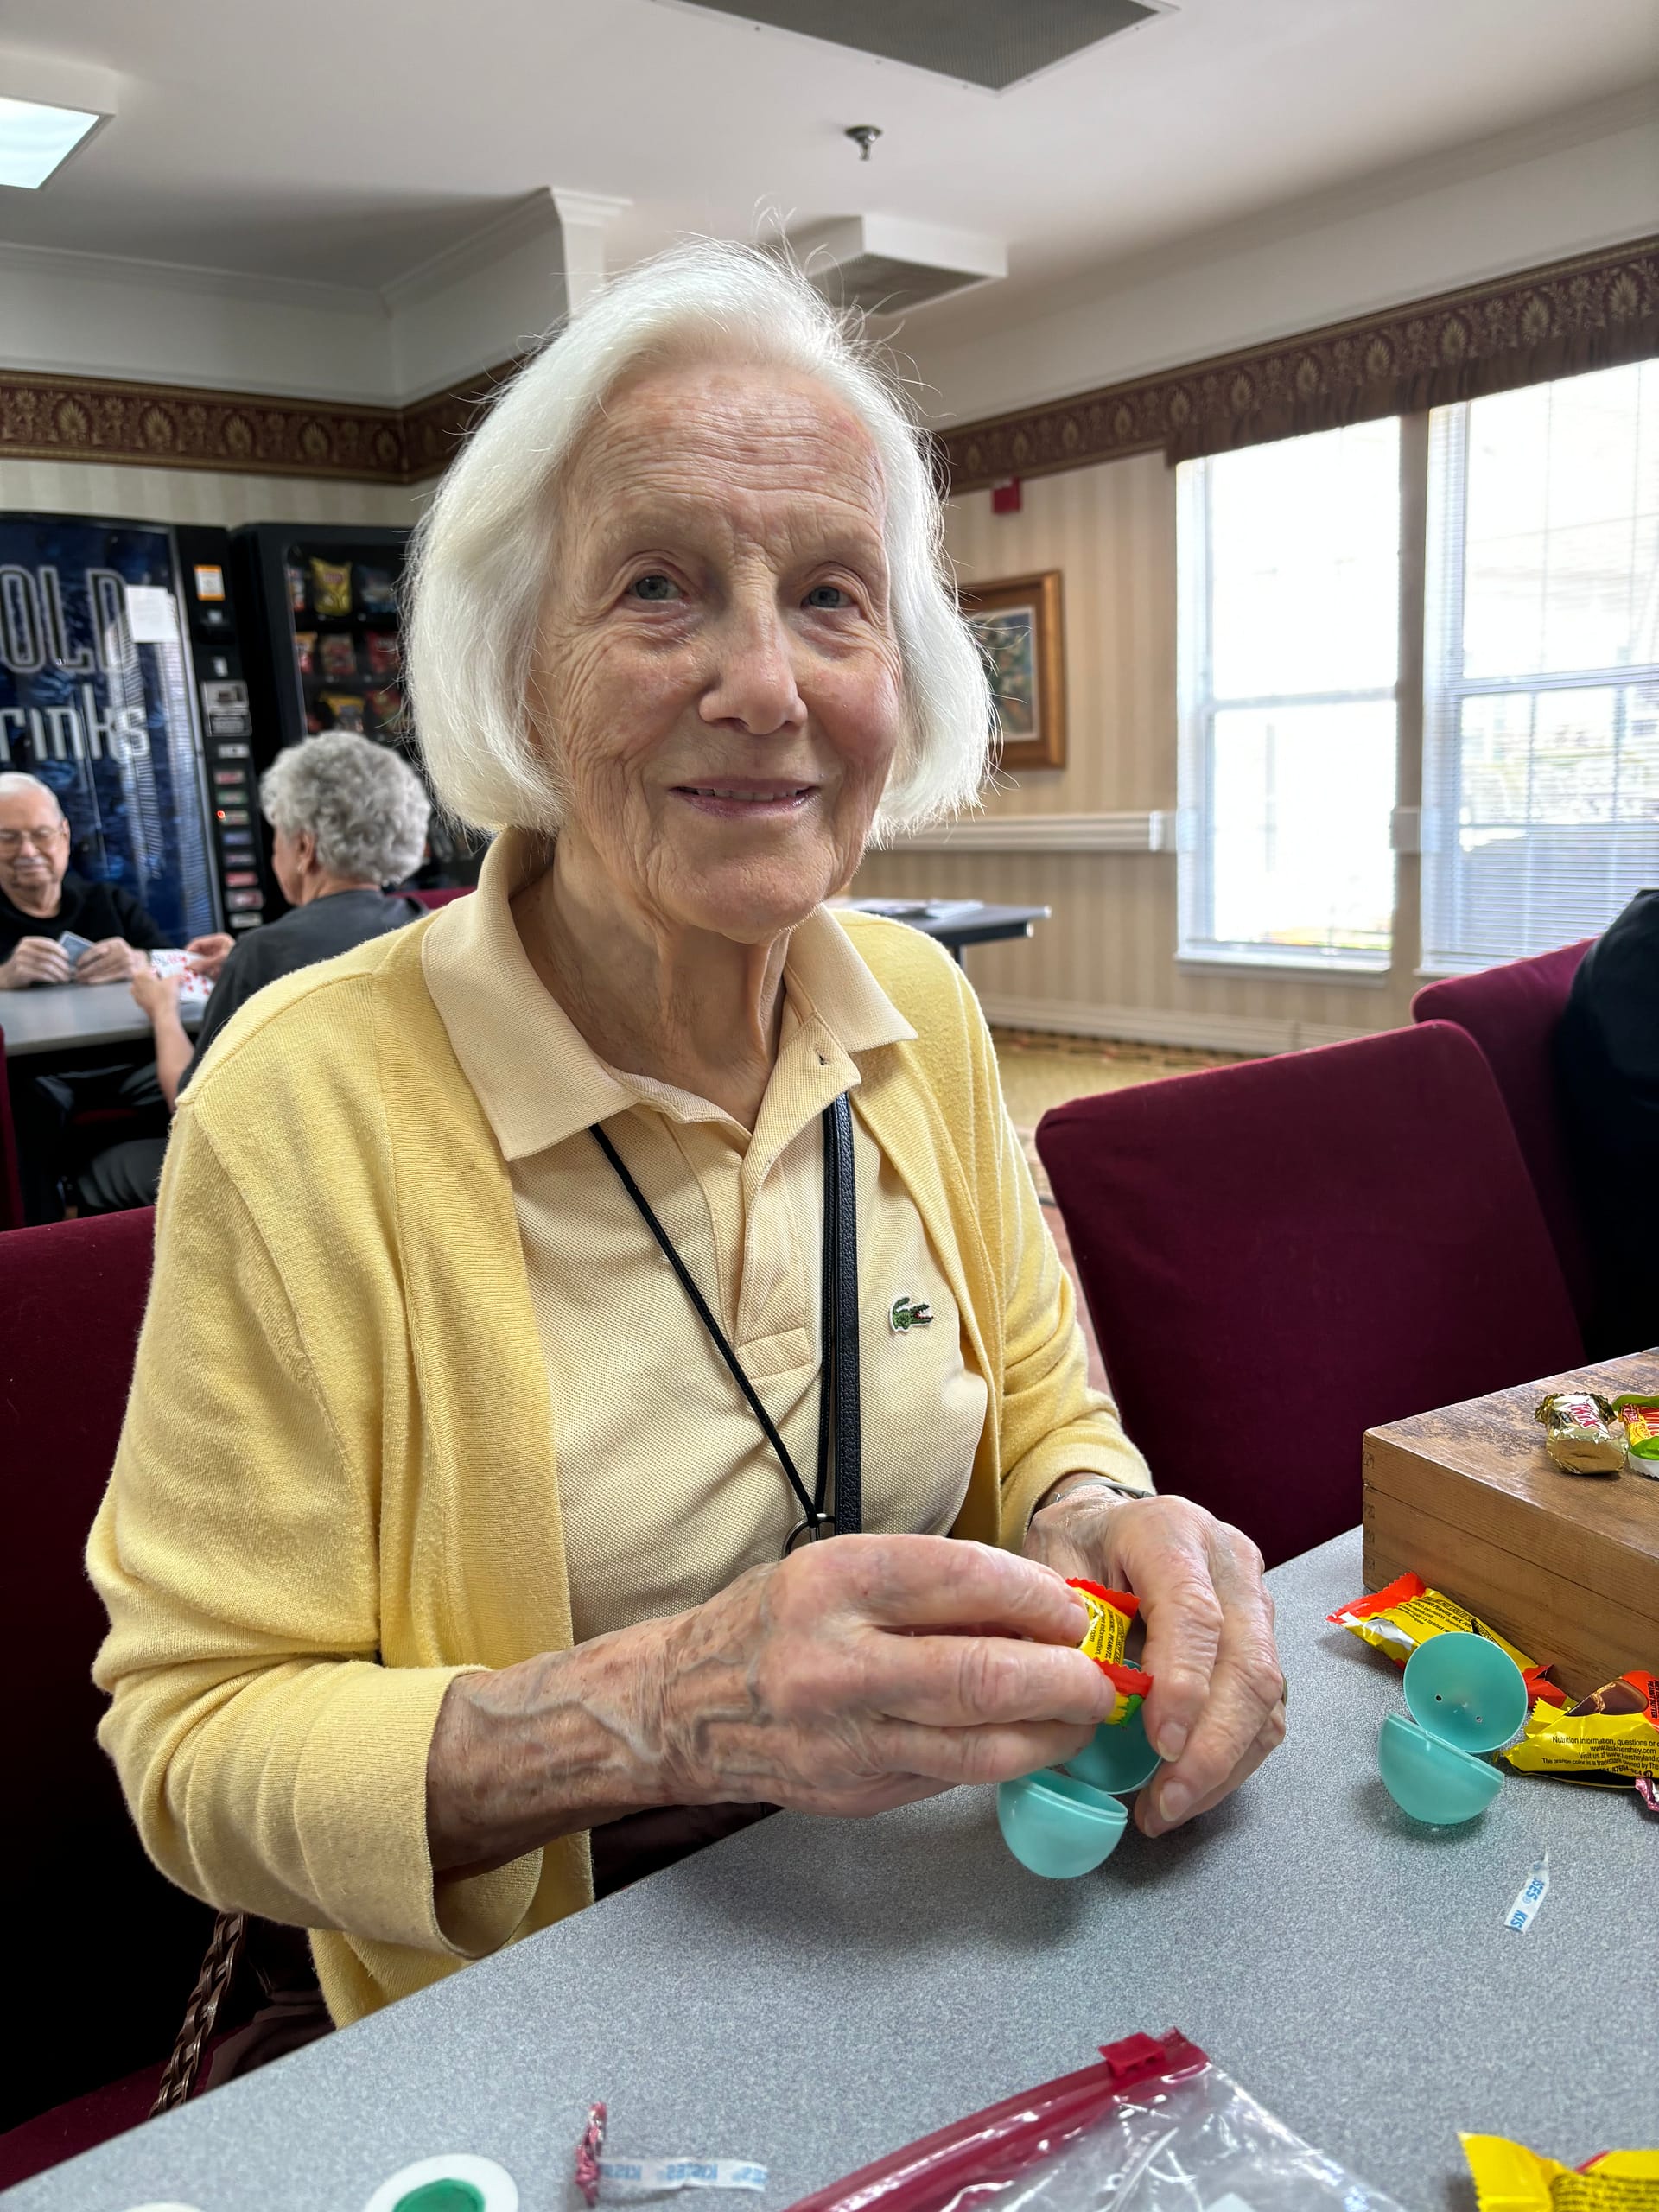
x=1512 y=1013
x=432 y=900
x=105 y=1950
x=1280 y=1255
x=11 y=1189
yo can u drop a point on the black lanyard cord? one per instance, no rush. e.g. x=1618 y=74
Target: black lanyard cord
x=838 y=1399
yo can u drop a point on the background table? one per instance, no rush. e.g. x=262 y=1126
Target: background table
x=64 y=1017
x=963 y=921
x=812 y=1993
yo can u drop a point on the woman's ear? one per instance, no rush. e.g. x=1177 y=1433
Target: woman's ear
x=305 y=851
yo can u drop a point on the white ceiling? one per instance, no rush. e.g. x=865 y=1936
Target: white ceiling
x=348 y=142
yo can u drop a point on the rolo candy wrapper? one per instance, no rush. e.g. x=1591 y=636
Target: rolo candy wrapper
x=1610 y=1739
x=1111 y=1612
x=1508 y=2177
x=1639 y=1413
x=1582 y=1433
x=1408 y=1613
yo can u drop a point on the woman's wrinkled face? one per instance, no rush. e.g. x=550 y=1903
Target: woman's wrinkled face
x=717 y=679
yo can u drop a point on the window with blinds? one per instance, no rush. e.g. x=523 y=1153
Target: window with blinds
x=1289 y=618
x=1541 y=761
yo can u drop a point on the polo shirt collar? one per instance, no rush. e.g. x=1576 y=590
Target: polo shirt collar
x=537 y=1079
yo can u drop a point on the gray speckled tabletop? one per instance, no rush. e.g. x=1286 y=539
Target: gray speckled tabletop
x=811 y=1994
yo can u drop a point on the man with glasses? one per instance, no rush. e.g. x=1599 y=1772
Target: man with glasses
x=42 y=899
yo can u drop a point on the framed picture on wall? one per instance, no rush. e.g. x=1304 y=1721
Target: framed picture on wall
x=1021 y=631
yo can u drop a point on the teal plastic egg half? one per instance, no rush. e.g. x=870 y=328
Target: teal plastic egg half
x=1117 y=1759
x=1056 y=1826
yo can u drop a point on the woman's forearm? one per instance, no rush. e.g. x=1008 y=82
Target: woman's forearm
x=566 y=1740
x=173 y=1052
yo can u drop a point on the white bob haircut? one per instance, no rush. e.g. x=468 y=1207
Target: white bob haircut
x=481 y=560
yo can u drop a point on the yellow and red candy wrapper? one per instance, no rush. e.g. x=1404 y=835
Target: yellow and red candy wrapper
x=1111 y=1612
x=1610 y=1739
x=1397 y=1619
x=1508 y=2177
x=1639 y=1412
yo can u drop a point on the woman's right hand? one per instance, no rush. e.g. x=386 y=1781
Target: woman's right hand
x=856 y=1675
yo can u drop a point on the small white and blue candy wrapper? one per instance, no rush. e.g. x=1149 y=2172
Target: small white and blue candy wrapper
x=1521 y=1913
x=651 y=2175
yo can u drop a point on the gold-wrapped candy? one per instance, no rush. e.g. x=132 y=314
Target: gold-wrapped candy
x=1582 y=1433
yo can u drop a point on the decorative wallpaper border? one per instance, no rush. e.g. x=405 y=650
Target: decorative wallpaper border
x=173 y=426
x=1596 y=311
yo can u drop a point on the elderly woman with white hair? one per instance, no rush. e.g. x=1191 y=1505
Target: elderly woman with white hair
x=348 y=817
x=535 y=1285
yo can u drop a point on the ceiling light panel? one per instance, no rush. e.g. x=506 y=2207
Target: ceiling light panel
x=988 y=42
x=35 y=139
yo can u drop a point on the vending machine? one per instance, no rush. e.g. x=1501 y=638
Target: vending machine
x=122 y=686
x=326 y=651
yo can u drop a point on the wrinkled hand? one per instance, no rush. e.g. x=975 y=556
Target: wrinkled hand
x=1217 y=1706
x=153 y=992
x=856 y=1675
x=872 y=1671
x=36 y=960
x=208 y=954
x=112 y=960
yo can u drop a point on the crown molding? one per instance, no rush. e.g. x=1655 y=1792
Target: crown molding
x=595 y=209
x=532 y=218
x=1593 y=311
x=60 y=261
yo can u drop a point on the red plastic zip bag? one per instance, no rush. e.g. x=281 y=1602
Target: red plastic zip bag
x=1154 y=2128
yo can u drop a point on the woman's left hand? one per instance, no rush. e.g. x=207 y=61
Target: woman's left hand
x=209 y=954
x=156 y=994
x=1216 y=1708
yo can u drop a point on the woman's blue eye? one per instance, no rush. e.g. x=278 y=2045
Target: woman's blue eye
x=828 y=596
x=654 y=588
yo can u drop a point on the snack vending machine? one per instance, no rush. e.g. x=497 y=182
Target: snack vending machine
x=122 y=686
x=324 y=640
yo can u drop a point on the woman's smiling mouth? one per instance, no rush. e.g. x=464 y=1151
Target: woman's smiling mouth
x=747 y=800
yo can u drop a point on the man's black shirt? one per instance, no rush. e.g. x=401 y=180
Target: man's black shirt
x=1607 y=1058
x=306 y=934
x=91 y=910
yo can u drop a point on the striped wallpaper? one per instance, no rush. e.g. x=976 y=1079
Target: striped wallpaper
x=1105 y=964
x=188 y=495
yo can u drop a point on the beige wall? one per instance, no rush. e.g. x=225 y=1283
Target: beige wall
x=189 y=495
x=1105 y=964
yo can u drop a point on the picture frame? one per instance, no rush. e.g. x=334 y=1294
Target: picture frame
x=1020 y=623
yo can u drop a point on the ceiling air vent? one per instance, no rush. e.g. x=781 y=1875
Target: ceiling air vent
x=995 y=43
x=887 y=264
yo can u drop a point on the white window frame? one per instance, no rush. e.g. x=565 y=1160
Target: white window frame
x=1197 y=948
x=1445 y=685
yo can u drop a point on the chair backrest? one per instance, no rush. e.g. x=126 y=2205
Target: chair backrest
x=104 y=1948
x=432 y=900
x=1281 y=1255
x=1512 y=1013
x=11 y=1189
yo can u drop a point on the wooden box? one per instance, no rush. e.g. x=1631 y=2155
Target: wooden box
x=1565 y=1566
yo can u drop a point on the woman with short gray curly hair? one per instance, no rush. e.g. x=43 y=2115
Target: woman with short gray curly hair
x=349 y=816
x=535 y=1288
x=354 y=806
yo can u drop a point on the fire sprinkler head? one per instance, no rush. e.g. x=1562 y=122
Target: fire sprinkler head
x=864 y=135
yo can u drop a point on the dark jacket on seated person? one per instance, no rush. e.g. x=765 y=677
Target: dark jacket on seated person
x=128 y=1174
x=95 y=911
x=303 y=936
x=1607 y=1060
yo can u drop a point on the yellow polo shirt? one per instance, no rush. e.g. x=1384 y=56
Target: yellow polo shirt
x=667 y=1487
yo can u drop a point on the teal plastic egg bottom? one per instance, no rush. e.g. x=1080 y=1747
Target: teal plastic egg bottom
x=1466 y=1697
x=1067 y=1821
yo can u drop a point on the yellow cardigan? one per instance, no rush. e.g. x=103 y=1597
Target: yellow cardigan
x=335 y=1486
